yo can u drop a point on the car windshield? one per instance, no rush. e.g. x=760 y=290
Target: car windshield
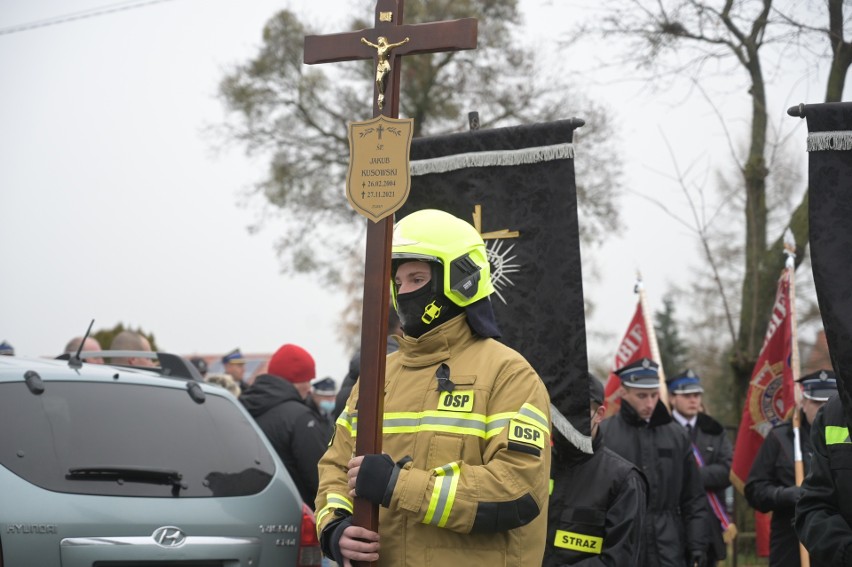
x=76 y=429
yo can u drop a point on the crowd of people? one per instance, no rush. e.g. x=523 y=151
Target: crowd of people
x=471 y=469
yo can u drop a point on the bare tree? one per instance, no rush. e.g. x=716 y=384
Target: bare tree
x=688 y=38
x=298 y=116
x=714 y=287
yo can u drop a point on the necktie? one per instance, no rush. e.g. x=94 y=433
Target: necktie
x=690 y=431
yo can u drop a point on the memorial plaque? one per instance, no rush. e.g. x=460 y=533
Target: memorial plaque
x=379 y=180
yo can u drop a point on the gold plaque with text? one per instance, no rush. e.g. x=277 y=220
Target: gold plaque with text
x=379 y=179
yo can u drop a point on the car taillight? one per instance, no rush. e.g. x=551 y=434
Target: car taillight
x=310 y=554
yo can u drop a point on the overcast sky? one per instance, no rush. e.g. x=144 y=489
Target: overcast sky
x=115 y=204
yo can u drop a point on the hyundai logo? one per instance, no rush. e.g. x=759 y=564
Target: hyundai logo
x=169 y=536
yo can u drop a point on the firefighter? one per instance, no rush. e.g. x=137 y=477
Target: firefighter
x=597 y=501
x=824 y=512
x=771 y=484
x=643 y=433
x=466 y=432
x=713 y=453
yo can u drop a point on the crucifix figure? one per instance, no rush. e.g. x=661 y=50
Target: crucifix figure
x=383 y=67
x=348 y=46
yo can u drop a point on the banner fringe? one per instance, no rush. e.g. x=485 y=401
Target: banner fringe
x=840 y=140
x=561 y=423
x=493 y=158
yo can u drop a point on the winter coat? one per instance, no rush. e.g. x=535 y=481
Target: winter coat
x=298 y=434
x=597 y=508
x=771 y=487
x=475 y=488
x=717 y=452
x=352 y=377
x=677 y=511
x=824 y=512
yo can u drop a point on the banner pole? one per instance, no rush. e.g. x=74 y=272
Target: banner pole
x=798 y=462
x=652 y=341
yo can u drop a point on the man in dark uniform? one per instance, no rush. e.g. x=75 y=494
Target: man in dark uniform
x=597 y=502
x=824 y=512
x=643 y=433
x=771 y=485
x=323 y=394
x=713 y=453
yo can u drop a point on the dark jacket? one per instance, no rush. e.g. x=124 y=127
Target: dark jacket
x=596 y=510
x=677 y=511
x=352 y=377
x=717 y=453
x=824 y=512
x=771 y=487
x=298 y=434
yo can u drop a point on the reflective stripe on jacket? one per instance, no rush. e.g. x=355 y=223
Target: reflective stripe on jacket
x=824 y=512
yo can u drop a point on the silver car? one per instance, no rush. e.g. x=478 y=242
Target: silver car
x=107 y=466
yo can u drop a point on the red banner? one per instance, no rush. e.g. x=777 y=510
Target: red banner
x=762 y=524
x=771 y=394
x=634 y=346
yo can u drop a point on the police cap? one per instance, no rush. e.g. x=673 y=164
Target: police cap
x=819 y=386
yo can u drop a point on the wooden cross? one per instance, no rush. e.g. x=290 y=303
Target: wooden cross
x=407 y=39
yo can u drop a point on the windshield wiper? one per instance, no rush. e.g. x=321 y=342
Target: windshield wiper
x=129 y=474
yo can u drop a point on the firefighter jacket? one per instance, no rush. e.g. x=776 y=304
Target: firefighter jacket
x=824 y=512
x=677 y=510
x=473 y=488
x=597 y=508
x=771 y=487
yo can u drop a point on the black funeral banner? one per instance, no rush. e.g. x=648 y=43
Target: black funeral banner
x=830 y=211
x=516 y=185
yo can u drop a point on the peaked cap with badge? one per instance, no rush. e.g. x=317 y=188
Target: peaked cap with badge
x=234 y=357
x=819 y=386
x=687 y=382
x=640 y=374
x=324 y=386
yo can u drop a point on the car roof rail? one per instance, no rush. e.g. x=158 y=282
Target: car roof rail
x=83 y=355
x=171 y=365
x=178 y=367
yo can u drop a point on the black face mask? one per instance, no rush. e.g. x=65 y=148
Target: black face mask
x=424 y=309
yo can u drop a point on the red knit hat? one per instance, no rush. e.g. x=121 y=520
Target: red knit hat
x=292 y=363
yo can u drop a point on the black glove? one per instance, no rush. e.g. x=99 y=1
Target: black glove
x=330 y=538
x=377 y=472
x=788 y=496
x=697 y=559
